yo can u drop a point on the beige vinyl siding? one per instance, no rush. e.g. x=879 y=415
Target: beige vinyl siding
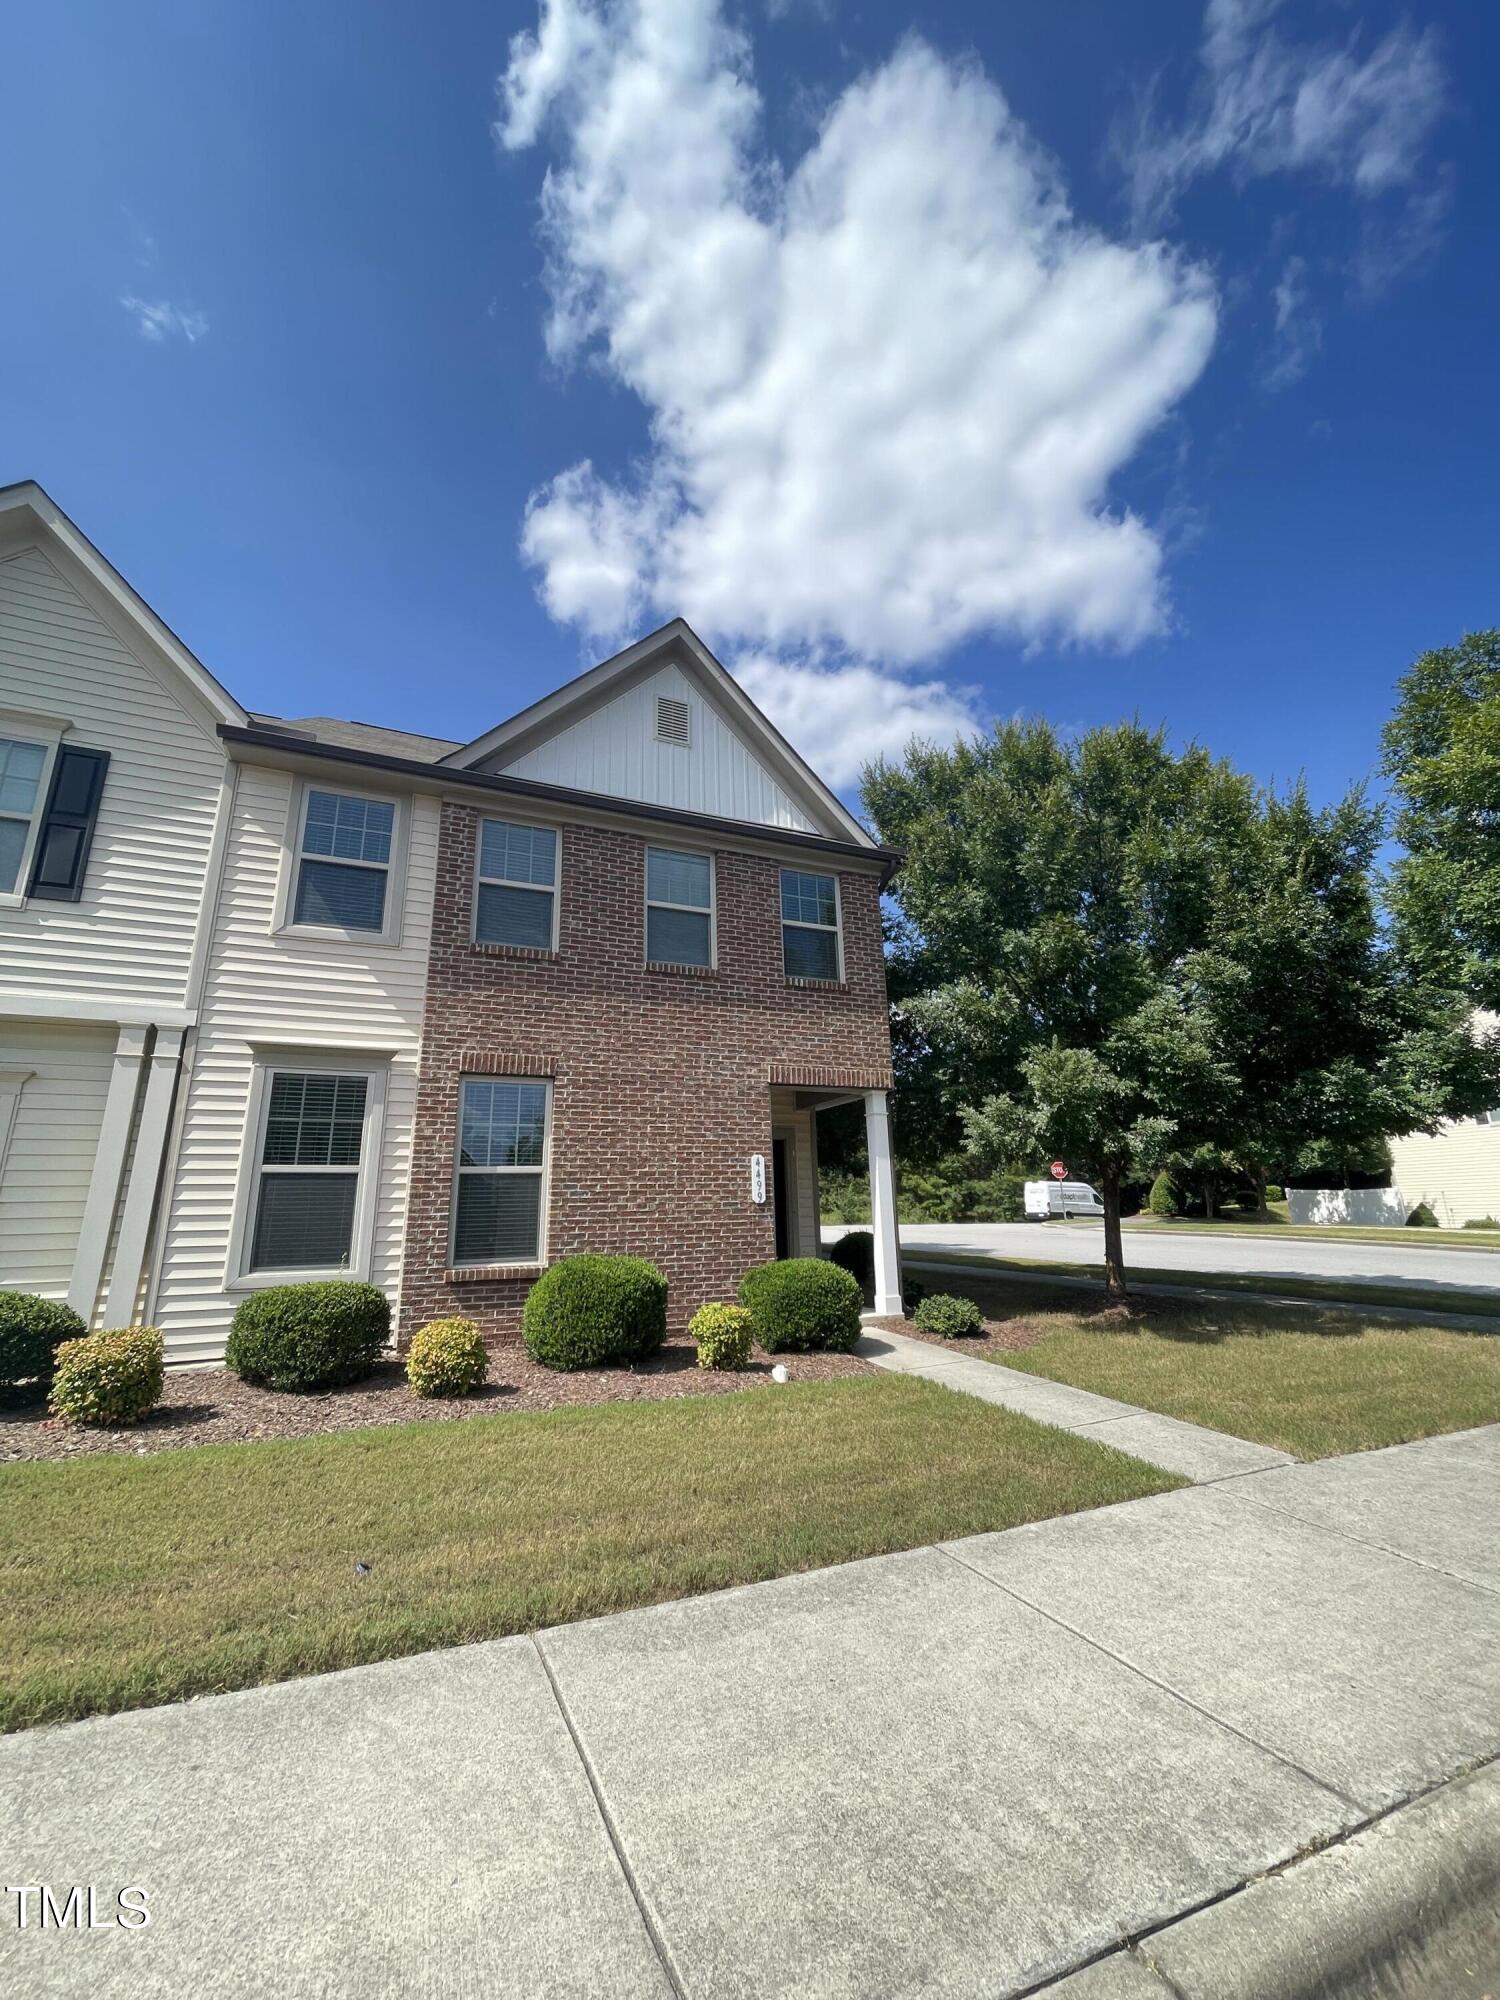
x=1455 y=1171
x=614 y=750
x=804 y=1238
x=130 y=939
x=262 y=986
x=45 y=1179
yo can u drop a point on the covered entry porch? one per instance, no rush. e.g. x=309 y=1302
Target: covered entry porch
x=796 y=1099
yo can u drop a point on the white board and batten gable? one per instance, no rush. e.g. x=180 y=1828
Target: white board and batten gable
x=664 y=724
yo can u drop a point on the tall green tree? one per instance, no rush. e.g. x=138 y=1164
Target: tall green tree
x=1442 y=755
x=1124 y=955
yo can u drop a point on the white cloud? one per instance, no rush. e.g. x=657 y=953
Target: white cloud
x=842 y=717
x=887 y=390
x=1299 y=328
x=1266 y=106
x=162 y=320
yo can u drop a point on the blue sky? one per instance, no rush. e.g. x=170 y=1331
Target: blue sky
x=1074 y=358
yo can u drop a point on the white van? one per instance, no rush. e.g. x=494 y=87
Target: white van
x=1064 y=1198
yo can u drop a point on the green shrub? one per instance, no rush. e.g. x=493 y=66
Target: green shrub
x=855 y=1253
x=843 y=1197
x=447 y=1357
x=312 y=1336
x=1163 y=1196
x=1482 y=1222
x=802 y=1304
x=589 y=1311
x=108 y=1378
x=1274 y=1192
x=31 y=1331
x=950 y=1318
x=724 y=1336
x=913 y=1291
x=1421 y=1217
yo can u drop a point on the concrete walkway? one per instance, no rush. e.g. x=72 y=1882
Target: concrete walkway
x=1187 y=1449
x=960 y=1771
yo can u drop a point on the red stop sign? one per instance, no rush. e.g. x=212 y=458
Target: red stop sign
x=1059 y=1171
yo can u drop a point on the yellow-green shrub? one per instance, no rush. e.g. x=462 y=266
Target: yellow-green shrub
x=724 y=1336
x=447 y=1357
x=110 y=1378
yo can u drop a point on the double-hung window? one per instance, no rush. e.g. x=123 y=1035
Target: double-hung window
x=810 y=925
x=311 y=1152
x=679 y=908
x=1490 y=1117
x=23 y=763
x=343 y=861
x=515 y=901
x=502 y=1149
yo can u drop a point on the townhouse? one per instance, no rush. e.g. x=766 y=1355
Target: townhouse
x=331 y=999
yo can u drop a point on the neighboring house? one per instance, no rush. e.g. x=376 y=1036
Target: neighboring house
x=1455 y=1170
x=112 y=794
x=301 y=999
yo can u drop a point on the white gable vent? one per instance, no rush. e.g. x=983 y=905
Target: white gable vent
x=671 y=720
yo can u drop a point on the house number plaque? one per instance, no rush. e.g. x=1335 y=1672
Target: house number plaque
x=757 y=1177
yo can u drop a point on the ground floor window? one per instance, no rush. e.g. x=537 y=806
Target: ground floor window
x=498 y=1206
x=313 y=1160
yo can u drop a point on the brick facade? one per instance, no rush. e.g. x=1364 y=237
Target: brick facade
x=661 y=1078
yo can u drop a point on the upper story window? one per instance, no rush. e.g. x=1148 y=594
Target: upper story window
x=22 y=763
x=515 y=901
x=679 y=908
x=343 y=862
x=810 y=946
x=1490 y=1117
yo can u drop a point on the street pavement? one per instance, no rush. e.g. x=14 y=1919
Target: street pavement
x=1211 y=1252
x=965 y=1770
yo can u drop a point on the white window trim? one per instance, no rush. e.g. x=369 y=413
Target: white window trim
x=544 y=1210
x=46 y=731
x=690 y=909
x=285 y=924
x=506 y=882
x=793 y=923
x=311 y=1061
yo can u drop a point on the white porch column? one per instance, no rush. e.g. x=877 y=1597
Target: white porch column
x=109 y=1165
x=145 y=1179
x=883 y=1207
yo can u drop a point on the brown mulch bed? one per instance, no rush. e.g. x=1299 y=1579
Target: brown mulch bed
x=1000 y=1336
x=212 y=1406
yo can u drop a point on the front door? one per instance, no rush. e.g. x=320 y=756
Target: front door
x=779 y=1199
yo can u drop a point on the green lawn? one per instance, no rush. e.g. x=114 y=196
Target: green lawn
x=1325 y=1382
x=1281 y=1224
x=126 y=1581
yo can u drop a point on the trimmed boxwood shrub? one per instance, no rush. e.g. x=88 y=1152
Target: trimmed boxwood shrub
x=1422 y=1217
x=591 y=1310
x=855 y=1253
x=447 y=1357
x=1162 y=1199
x=949 y=1317
x=312 y=1336
x=109 y=1379
x=724 y=1336
x=31 y=1331
x=802 y=1304
x=1274 y=1192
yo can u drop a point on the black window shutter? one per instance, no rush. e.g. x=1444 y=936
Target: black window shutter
x=62 y=850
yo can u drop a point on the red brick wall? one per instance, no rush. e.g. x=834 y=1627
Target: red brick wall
x=662 y=1078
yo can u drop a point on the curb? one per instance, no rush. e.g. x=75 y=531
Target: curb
x=1408 y=1907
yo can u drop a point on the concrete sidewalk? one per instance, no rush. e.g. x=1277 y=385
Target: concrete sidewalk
x=964 y=1770
x=1186 y=1449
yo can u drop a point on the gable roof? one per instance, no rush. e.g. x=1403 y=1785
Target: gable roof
x=679 y=644
x=25 y=503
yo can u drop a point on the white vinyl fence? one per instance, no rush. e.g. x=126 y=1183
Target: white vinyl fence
x=1347 y=1205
